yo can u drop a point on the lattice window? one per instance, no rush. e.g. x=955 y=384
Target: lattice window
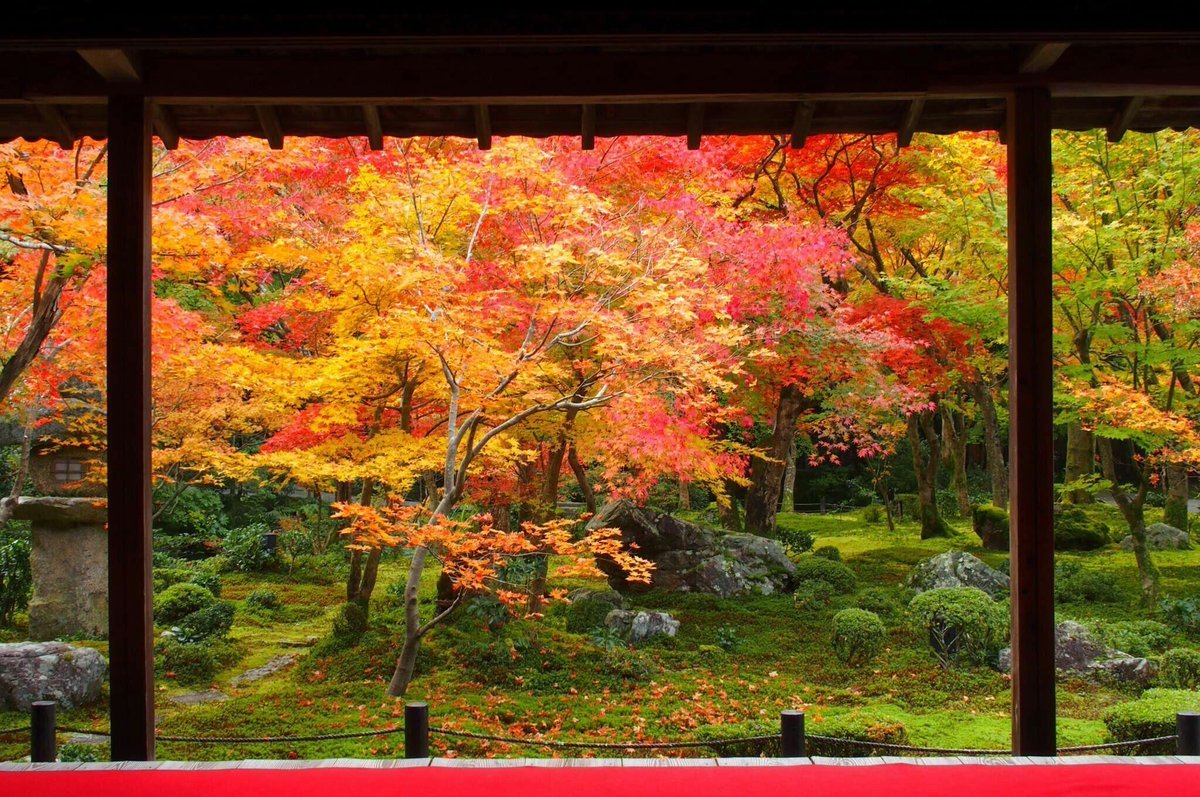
x=69 y=470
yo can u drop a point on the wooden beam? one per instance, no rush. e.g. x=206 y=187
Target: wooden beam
x=61 y=130
x=1031 y=421
x=587 y=127
x=374 y=127
x=268 y=120
x=115 y=66
x=1124 y=117
x=165 y=127
x=695 y=124
x=130 y=592
x=802 y=123
x=908 y=125
x=1042 y=56
x=483 y=127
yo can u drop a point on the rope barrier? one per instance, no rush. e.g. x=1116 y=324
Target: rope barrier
x=571 y=745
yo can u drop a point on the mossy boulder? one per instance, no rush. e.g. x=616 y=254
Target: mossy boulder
x=1076 y=530
x=990 y=523
x=954 y=569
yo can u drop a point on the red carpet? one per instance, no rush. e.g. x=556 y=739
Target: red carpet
x=894 y=780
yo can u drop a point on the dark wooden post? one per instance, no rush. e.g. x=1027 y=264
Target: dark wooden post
x=791 y=733
x=131 y=657
x=1031 y=422
x=1187 y=729
x=43 y=744
x=416 y=730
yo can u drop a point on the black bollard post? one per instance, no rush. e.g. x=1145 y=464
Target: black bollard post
x=416 y=730
x=1187 y=729
x=791 y=731
x=43 y=745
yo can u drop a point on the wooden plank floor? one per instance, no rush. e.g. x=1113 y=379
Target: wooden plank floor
x=468 y=763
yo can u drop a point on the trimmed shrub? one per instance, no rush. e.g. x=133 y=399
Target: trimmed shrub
x=210 y=581
x=872 y=513
x=195 y=511
x=1150 y=716
x=813 y=595
x=170 y=576
x=586 y=615
x=963 y=624
x=1181 y=613
x=727 y=638
x=859 y=726
x=858 y=636
x=879 y=600
x=350 y=622
x=1180 y=669
x=178 y=601
x=794 y=541
x=829 y=552
x=769 y=747
x=213 y=622
x=1075 y=584
x=185 y=662
x=835 y=574
x=243 y=548
x=262 y=600
x=1076 y=530
x=1142 y=638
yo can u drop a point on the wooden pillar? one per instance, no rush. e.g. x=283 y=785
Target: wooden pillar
x=1031 y=423
x=130 y=592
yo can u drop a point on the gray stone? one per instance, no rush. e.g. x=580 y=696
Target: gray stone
x=1077 y=651
x=1161 y=537
x=70 y=581
x=692 y=558
x=958 y=569
x=609 y=596
x=71 y=676
x=637 y=627
x=273 y=666
x=196 y=698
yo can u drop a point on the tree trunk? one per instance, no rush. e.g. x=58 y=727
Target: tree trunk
x=364 y=565
x=993 y=445
x=406 y=664
x=954 y=429
x=766 y=475
x=1081 y=460
x=925 y=465
x=685 y=496
x=1175 y=513
x=1133 y=510
x=585 y=487
x=727 y=510
x=789 y=479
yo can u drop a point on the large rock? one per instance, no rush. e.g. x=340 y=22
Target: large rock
x=958 y=569
x=1161 y=537
x=1077 y=651
x=692 y=558
x=29 y=671
x=637 y=627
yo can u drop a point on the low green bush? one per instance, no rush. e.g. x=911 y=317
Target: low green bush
x=170 y=576
x=963 y=624
x=1076 y=530
x=835 y=574
x=1075 y=584
x=210 y=581
x=186 y=663
x=1181 y=613
x=586 y=615
x=794 y=541
x=243 y=548
x=872 y=513
x=769 y=747
x=858 y=726
x=728 y=638
x=829 y=552
x=178 y=601
x=1180 y=669
x=1150 y=716
x=350 y=622
x=263 y=601
x=16 y=575
x=83 y=753
x=212 y=622
x=858 y=636
x=1142 y=638
x=879 y=600
x=813 y=595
